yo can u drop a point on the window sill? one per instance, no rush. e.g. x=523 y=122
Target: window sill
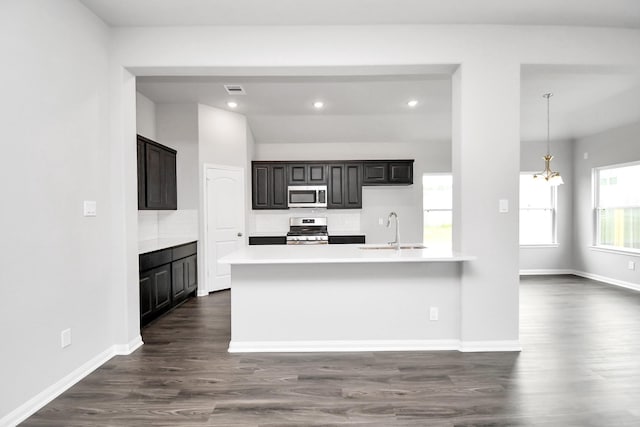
x=629 y=252
x=544 y=245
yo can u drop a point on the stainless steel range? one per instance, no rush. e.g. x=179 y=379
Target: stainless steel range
x=307 y=231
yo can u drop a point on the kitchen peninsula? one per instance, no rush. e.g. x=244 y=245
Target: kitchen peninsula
x=344 y=298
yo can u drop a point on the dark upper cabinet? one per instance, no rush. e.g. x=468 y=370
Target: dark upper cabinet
x=391 y=172
x=344 y=186
x=142 y=173
x=157 y=185
x=401 y=172
x=269 y=185
x=374 y=173
x=306 y=173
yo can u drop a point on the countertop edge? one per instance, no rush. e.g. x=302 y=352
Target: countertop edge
x=152 y=245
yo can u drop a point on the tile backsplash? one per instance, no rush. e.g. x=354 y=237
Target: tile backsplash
x=278 y=222
x=167 y=224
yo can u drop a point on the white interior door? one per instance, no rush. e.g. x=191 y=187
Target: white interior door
x=224 y=222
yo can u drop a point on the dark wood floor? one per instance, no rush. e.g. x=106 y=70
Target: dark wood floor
x=580 y=366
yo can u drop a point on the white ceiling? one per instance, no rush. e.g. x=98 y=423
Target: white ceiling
x=374 y=108
x=370 y=108
x=609 y=13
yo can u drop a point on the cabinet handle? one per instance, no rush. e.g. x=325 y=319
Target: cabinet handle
x=239 y=234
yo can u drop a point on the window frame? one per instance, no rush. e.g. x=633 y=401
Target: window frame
x=554 y=215
x=447 y=174
x=595 y=186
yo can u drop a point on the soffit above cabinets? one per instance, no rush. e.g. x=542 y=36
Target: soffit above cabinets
x=596 y=13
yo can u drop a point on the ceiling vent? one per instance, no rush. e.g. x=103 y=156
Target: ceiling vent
x=234 y=90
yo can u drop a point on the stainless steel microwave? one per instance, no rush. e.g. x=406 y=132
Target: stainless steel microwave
x=307 y=196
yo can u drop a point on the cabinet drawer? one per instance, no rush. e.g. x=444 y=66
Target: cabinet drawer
x=184 y=250
x=154 y=259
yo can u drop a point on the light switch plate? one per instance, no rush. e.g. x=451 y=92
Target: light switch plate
x=503 y=206
x=90 y=208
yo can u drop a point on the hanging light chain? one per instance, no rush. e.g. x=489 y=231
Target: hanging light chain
x=548 y=96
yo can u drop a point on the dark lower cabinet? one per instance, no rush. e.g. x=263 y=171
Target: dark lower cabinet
x=155 y=292
x=345 y=186
x=185 y=278
x=347 y=239
x=267 y=240
x=167 y=278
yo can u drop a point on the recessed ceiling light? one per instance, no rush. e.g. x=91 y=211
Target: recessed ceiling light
x=412 y=103
x=318 y=105
x=232 y=104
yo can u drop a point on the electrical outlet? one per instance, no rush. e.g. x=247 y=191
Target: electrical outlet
x=631 y=265
x=380 y=221
x=433 y=313
x=65 y=338
x=90 y=208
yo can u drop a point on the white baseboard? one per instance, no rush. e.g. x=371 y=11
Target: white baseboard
x=31 y=406
x=544 y=272
x=125 y=349
x=370 y=345
x=202 y=292
x=478 y=346
x=608 y=280
x=332 y=346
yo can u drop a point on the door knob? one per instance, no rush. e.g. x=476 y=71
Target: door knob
x=239 y=234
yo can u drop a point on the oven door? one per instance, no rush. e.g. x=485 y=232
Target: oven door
x=307 y=196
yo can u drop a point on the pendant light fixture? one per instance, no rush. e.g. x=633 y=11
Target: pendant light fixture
x=549 y=176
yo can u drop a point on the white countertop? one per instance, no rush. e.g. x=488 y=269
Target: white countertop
x=329 y=254
x=145 y=246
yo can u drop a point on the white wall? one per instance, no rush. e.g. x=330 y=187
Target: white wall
x=612 y=147
x=85 y=126
x=377 y=202
x=145 y=116
x=177 y=127
x=224 y=139
x=546 y=258
x=56 y=269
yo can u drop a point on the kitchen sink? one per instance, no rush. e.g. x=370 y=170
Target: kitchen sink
x=390 y=247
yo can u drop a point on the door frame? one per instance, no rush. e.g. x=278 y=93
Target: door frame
x=203 y=265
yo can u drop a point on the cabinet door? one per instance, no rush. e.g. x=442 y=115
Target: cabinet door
x=162 y=287
x=278 y=187
x=260 y=186
x=155 y=171
x=141 y=175
x=401 y=172
x=169 y=183
x=352 y=192
x=297 y=174
x=374 y=173
x=335 y=199
x=316 y=174
x=178 y=283
x=191 y=273
x=146 y=297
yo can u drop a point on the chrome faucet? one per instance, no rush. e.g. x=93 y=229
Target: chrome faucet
x=396 y=242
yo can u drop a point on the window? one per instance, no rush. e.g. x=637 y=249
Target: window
x=537 y=212
x=617 y=206
x=437 y=195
